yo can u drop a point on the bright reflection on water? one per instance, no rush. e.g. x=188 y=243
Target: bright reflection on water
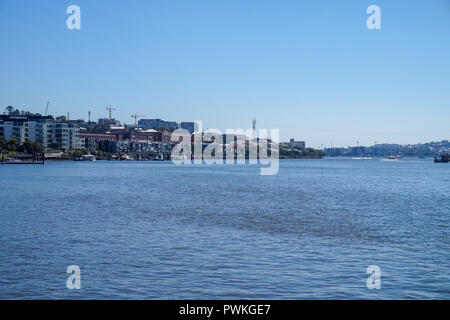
x=158 y=231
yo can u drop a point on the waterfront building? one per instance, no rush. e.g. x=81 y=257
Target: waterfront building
x=41 y=129
x=297 y=144
x=166 y=136
x=147 y=146
x=189 y=126
x=117 y=129
x=27 y=128
x=170 y=125
x=107 y=142
x=66 y=136
x=157 y=124
x=146 y=136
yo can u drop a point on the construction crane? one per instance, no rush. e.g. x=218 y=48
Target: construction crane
x=110 y=109
x=136 y=117
x=46 y=108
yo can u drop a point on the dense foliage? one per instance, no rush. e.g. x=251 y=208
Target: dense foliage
x=13 y=145
x=299 y=153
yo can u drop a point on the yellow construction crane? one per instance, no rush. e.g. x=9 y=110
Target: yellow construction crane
x=136 y=117
x=110 y=109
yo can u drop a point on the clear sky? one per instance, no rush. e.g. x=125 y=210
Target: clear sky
x=310 y=68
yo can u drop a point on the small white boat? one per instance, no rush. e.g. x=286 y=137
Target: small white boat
x=392 y=158
x=126 y=158
x=88 y=157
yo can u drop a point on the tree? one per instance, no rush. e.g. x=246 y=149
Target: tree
x=3 y=144
x=28 y=113
x=9 y=110
x=12 y=145
x=31 y=147
x=97 y=128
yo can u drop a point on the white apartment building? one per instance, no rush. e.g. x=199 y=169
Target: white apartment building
x=66 y=135
x=42 y=129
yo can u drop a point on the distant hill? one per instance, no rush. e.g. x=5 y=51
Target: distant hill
x=429 y=149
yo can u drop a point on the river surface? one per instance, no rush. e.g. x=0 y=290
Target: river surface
x=154 y=230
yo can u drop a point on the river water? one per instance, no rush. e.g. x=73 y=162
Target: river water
x=154 y=230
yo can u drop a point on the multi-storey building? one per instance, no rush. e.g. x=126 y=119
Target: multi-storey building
x=189 y=126
x=147 y=135
x=23 y=128
x=297 y=144
x=66 y=135
x=157 y=124
x=42 y=129
x=107 y=142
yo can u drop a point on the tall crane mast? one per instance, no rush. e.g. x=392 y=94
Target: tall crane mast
x=136 y=117
x=110 y=109
x=46 y=108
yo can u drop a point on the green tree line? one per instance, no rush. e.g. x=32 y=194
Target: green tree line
x=13 y=145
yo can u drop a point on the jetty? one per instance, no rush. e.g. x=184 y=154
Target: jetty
x=22 y=159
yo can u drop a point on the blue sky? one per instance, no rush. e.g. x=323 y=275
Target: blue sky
x=310 y=68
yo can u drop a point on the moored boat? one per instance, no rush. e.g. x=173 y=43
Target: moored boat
x=392 y=158
x=443 y=159
x=88 y=157
x=85 y=157
x=126 y=157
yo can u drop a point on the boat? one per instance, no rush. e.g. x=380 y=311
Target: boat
x=444 y=159
x=360 y=157
x=392 y=158
x=126 y=157
x=88 y=157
